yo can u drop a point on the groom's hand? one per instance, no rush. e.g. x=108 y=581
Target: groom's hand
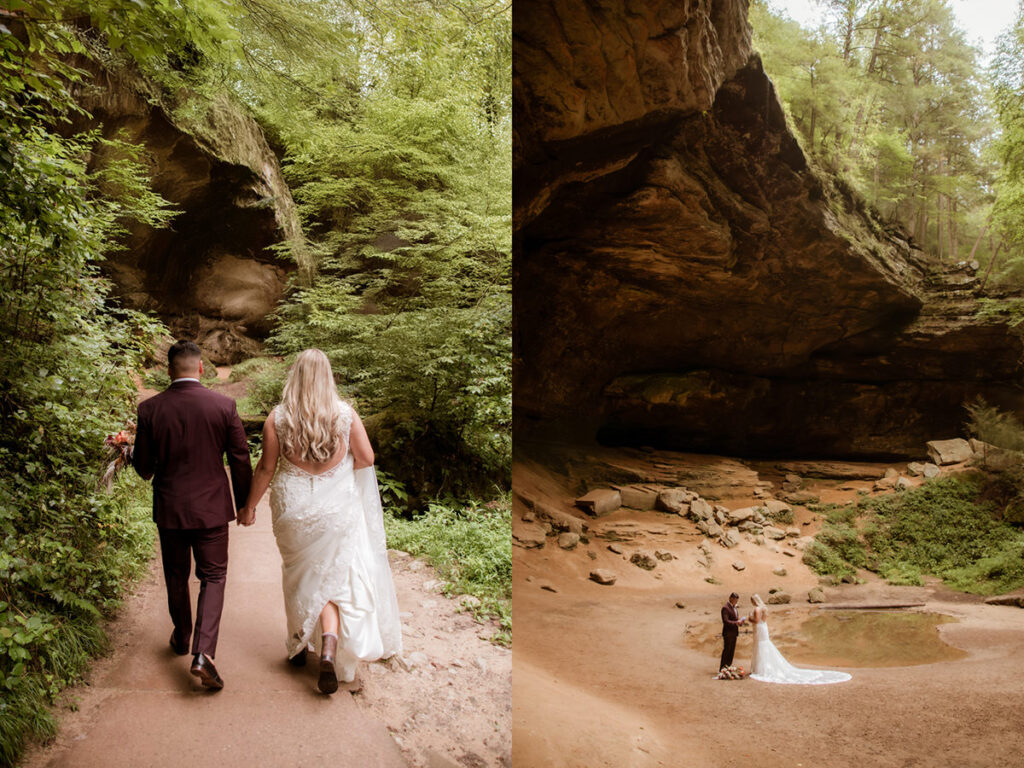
x=246 y=516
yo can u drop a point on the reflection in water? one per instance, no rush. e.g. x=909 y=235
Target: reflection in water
x=842 y=638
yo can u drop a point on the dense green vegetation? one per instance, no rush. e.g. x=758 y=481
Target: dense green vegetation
x=471 y=550
x=68 y=548
x=393 y=122
x=889 y=95
x=946 y=528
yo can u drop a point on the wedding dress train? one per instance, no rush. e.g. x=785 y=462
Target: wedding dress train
x=329 y=529
x=770 y=666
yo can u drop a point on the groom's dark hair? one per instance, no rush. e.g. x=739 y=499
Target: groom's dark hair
x=183 y=350
x=734 y=595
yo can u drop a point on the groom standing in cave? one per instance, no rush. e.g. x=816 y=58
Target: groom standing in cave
x=731 y=622
x=183 y=434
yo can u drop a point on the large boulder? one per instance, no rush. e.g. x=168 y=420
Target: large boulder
x=953 y=451
x=601 y=501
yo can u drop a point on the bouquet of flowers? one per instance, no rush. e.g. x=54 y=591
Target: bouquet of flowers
x=119 y=450
x=731 y=673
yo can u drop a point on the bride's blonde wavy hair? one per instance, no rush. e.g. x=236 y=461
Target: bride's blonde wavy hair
x=758 y=601
x=312 y=428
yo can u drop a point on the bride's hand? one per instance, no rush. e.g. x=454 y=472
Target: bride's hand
x=246 y=516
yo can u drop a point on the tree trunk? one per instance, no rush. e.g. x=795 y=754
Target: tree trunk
x=978 y=242
x=991 y=263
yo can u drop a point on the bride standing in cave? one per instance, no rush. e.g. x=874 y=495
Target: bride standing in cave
x=770 y=666
x=328 y=524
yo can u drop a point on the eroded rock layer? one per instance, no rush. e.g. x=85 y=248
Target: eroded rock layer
x=211 y=275
x=683 y=278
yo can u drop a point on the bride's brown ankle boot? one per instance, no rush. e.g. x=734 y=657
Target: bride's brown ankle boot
x=328 y=682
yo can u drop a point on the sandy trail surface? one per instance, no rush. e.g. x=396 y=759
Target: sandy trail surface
x=447 y=704
x=615 y=676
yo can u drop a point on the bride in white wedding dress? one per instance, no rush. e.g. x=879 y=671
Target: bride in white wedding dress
x=770 y=666
x=328 y=523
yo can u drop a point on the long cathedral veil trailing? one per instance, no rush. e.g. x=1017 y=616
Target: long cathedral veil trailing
x=388 y=620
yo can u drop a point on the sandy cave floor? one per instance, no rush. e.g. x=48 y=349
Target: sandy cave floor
x=612 y=676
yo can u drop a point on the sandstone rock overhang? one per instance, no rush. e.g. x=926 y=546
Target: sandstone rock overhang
x=683 y=277
x=212 y=275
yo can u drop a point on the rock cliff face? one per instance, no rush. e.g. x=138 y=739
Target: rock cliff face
x=211 y=275
x=683 y=278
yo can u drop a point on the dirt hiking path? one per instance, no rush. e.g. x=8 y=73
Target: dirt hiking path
x=448 y=705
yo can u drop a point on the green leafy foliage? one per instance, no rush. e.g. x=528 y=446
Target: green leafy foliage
x=68 y=549
x=889 y=95
x=398 y=152
x=945 y=528
x=471 y=548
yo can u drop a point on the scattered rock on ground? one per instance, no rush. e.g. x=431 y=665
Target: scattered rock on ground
x=774 y=533
x=568 y=540
x=638 y=496
x=700 y=509
x=1017 y=600
x=603 y=576
x=530 y=539
x=816 y=595
x=662 y=554
x=779 y=571
x=885 y=484
x=903 y=484
x=802 y=497
x=742 y=514
x=643 y=560
x=931 y=470
x=915 y=468
x=600 y=501
x=891 y=472
x=708 y=528
x=739 y=565
x=615 y=548
x=729 y=539
x=779 y=598
x=559 y=520
x=675 y=500
x=680 y=604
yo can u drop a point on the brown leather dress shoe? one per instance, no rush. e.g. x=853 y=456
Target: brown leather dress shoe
x=328 y=682
x=202 y=667
x=180 y=648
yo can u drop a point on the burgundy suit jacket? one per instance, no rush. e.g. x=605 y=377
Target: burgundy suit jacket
x=730 y=621
x=183 y=434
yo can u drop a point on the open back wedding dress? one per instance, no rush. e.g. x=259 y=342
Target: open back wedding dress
x=770 y=666
x=330 y=532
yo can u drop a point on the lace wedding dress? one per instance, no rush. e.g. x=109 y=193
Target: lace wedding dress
x=330 y=532
x=770 y=666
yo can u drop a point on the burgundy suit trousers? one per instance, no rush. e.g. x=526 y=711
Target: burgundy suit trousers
x=210 y=548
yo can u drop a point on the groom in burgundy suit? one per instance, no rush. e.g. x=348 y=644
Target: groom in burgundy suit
x=730 y=630
x=183 y=434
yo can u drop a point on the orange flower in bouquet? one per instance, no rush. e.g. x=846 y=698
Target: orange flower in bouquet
x=119 y=449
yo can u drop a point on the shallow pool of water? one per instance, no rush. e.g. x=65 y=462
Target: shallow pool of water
x=841 y=638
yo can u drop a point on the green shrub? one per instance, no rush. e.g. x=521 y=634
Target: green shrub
x=825 y=561
x=945 y=528
x=264 y=378
x=156 y=378
x=469 y=546
x=784 y=516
